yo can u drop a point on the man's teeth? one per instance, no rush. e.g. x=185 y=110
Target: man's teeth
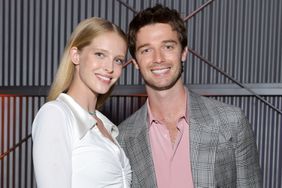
x=160 y=71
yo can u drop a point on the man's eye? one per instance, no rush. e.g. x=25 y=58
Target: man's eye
x=145 y=50
x=169 y=47
x=99 y=54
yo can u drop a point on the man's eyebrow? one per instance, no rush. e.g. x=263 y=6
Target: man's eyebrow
x=147 y=44
x=169 y=41
x=142 y=46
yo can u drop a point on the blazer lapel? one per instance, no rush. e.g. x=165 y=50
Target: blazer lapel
x=141 y=151
x=203 y=133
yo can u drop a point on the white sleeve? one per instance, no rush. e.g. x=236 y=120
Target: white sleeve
x=52 y=153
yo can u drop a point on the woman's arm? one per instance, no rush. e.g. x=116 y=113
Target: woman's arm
x=52 y=147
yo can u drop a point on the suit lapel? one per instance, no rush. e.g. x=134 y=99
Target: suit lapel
x=141 y=150
x=203 y=133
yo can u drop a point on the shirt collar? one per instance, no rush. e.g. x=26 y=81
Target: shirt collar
x=85 y=121
x=153 y=119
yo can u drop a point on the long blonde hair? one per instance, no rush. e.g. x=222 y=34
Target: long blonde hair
x=82 y=36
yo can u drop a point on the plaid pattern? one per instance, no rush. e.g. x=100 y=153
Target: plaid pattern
x=222 y=146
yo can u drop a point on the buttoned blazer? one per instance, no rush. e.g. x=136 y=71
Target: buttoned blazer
x=223 y=151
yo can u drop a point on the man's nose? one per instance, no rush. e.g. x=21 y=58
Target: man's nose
x=158 y=56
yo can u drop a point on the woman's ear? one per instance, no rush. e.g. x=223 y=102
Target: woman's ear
x=135 y=63
x=74 y=53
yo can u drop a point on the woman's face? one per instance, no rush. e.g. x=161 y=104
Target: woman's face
x=99 y=65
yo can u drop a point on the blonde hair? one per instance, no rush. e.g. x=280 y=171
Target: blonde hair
x=82 y=36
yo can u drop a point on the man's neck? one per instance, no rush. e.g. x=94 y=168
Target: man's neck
x=168 y=104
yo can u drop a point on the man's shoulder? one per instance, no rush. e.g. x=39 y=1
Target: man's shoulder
x=225 y=114
x=137 y=117
x=213 y=104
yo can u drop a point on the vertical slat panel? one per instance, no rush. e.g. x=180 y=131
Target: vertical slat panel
x=1 y=141
x=2 y=18
x=16 y=168
x=11 y=45
x=30 y=45
x=18 y=45
x=17 y=125
x=5 y=43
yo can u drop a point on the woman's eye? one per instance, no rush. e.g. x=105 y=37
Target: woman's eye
x=119 y=61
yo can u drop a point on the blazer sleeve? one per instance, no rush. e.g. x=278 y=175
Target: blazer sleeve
x=247 y=162
x=52 y=148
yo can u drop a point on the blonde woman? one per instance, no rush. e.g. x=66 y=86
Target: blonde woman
x=74 y=145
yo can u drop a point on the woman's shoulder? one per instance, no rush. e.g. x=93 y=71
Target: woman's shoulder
x=53 y=113
x=55 y=105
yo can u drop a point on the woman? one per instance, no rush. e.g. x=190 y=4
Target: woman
x=74 y=144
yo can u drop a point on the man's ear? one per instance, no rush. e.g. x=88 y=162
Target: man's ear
x=135 y=63
x=184 y=54
x=74 y=53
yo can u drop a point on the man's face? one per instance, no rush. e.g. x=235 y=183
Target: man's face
x=159 y=55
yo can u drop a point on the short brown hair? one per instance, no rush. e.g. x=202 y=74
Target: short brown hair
x=152 y=15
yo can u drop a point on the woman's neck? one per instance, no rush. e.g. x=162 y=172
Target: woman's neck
x=84 y=97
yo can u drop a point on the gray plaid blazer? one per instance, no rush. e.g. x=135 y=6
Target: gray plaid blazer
x=222 y=146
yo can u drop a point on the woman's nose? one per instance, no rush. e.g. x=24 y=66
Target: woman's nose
x=109 y=66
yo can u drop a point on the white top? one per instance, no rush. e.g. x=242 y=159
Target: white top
x=69 y=150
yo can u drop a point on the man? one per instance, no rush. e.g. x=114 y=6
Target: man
x=178 y=138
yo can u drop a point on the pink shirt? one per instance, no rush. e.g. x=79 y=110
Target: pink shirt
x=171 y=162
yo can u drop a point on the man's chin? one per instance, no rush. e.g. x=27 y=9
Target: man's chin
x=160 y=87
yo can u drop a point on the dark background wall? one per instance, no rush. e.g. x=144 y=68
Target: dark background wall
x=231 y=42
